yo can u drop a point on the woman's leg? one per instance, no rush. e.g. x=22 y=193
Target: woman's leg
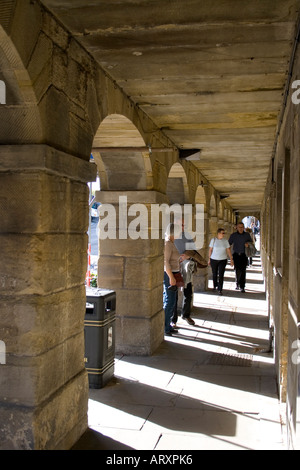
x=221 y=269
x=187 y=301
x=214 y=268
x=169 y=299
x=175 y=313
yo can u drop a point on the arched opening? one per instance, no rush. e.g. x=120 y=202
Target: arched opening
x=2 y=353
x=252 y=225
x=221 y=215
x=19 y=113
x=121 y=156
x=129 y=265
x=123 y=164
x=177 y=186
x=178 y=196
x=213 y=217
x=200 y=197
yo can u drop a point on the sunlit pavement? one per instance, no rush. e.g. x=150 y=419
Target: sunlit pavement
x=211 y=386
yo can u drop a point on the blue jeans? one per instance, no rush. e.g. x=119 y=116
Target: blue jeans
x=169 y=300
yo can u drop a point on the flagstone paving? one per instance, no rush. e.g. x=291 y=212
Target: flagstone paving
x=211 y=386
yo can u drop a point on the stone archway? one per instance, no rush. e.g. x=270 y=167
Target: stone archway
x=251 y=222
x=213 y=216
x=201 y=277
x=121 y=156
x=177 y=185
x=177 y=192
x=220 y=213
x=132 y=267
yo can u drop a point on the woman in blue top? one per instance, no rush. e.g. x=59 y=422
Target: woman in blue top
x=219 y=251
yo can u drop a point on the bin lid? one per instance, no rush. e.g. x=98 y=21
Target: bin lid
x=97 y=291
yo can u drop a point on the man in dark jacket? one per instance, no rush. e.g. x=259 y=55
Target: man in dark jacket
x=240 y=240
x=185 y=242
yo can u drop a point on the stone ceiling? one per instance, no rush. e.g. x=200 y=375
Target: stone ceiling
x=210 y=74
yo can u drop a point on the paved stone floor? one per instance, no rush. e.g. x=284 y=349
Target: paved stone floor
x=210 y=387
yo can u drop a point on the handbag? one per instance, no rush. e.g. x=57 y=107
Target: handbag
x=250 y=250
x=179 y=279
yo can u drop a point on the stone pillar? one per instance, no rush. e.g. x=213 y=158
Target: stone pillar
x=228 y=229
x=44 y=220
x=213 y=227
x=133 y=268
x=200 y=279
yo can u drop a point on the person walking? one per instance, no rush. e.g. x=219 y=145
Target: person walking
x=219 y=251
x=239 y=240
x=253 y=241
x=171 y=266
x=185 y=242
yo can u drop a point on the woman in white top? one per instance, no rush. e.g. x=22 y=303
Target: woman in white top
x=219 y=250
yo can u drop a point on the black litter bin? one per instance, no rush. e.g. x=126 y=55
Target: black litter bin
x=99 y=335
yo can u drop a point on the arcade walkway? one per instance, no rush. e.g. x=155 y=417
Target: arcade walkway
x=212 y=386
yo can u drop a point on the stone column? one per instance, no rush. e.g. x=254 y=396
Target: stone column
x=133 y=268
x=200 y=279
x=228 y=229
x=213 y=227
x=44 y=220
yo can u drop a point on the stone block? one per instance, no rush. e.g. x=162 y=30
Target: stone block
x=143 y=274
x=157 y=330
x=33 y=158
x=38 y=202
x=40 y=65
x=92 y=99
x=76 y=252
x=56 y=424
x=139 y=336
x=23 y=37
x=41 y=376
x=110 y=272
x=77 y=82
x=54 y=108
x=55 y=31
x=40 y=264
x=23 y=269
x=59 y=64
x=16 y=432
x=37 y=376
x=131 y=248
x=31 y=325
x=20 y=204
x=63 y=419
x=139 y=303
